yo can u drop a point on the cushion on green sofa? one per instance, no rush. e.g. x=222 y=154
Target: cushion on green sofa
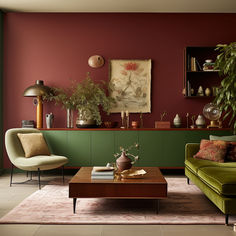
x=194 y=164
x=221 y=179
x=231 y=138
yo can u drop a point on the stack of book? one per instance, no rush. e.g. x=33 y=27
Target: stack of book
x=100 y=172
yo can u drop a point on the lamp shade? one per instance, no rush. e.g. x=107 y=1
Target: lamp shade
x=39 y=89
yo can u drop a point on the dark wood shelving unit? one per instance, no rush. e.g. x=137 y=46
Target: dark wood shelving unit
x=195 y=76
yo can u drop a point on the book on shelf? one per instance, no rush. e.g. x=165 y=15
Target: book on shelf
x=193 y=64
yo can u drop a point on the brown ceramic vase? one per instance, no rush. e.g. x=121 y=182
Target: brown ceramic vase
x=123 y=162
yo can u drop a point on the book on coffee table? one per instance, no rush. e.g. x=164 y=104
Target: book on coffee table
x=100 y=172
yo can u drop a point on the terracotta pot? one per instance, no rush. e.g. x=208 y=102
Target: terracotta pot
x=123 y=162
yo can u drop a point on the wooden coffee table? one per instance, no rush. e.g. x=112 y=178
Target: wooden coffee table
x=152 y=186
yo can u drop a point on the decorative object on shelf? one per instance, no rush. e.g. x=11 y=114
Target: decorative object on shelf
x=200 y=91
x=193 y=122
x=187 y=117
x=110 y=124
x=213 y=113
x=226 y=94
x=207 y=92
x=214 y=90
x=96 y=61
x=122 y=120
x=87 y=97
x=177 y=121
x=133 y=174
x=69 y=118
x=123 y=162
x=27 y=124
x=38 y=90
x=208 y=65
x=130 y=85
x=134 y=124
x=49 y=120
x=141 y=119
x=127 y=119
x=162 y=124
x=200 y=121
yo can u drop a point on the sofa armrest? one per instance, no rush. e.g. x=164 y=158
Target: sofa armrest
x=191 y=149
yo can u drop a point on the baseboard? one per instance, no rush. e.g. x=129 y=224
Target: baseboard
x=2 y=171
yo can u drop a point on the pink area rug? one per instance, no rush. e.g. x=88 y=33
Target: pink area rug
x=185 y=205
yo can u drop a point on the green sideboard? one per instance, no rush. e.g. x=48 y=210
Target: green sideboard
x=158 y=147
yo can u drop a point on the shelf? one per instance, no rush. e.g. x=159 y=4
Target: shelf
x=203 y=71
x=199 y=97
x=195 y=76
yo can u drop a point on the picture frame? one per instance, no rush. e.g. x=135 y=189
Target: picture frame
x=130 y=85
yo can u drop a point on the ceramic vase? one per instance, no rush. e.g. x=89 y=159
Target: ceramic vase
x=200 y=121
x=123 y=162
x=177 y=121
x=69 y=118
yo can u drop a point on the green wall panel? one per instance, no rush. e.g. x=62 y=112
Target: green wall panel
x=150 y=147
x=172 y=154
x=57 y=142
x=79 y=148
x=102 y=147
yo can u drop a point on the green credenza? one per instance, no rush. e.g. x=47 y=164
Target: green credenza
x=90 y=147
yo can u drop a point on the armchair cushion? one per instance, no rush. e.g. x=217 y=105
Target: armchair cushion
x=33 y=144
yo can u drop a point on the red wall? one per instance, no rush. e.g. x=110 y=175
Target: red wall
x=56 y=47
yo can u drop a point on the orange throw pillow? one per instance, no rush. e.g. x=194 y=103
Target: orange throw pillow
x=213 y=150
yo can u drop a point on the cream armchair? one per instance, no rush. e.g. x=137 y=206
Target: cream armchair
x=37 y=163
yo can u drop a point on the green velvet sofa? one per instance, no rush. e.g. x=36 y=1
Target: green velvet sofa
x=216 y=180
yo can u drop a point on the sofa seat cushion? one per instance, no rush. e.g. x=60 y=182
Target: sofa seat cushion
x=221 y=179
x=194 y=164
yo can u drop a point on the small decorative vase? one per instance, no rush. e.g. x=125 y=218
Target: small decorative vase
x=69 y=118
x=177 y=121
x=123 y=162
x=200 y=121
x=207 y=92
x=134 y=124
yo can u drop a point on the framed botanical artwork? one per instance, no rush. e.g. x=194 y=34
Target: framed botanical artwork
x=130 y=85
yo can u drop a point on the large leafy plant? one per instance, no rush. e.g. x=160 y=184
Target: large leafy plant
x=87 y=97
x=226 y=95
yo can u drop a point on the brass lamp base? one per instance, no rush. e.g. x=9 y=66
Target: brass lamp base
x=215 y=124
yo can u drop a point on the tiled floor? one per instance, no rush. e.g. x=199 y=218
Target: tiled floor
x=11 y=196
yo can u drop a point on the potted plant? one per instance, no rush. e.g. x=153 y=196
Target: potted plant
x=226 y=94
x=87 y=97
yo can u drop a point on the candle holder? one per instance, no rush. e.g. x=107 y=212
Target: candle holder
x=122 y=123
x=127 y=121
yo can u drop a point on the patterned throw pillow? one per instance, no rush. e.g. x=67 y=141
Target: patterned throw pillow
x=231 y=152
x=212 y=150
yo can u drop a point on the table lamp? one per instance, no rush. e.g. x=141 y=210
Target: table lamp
x=38 y=90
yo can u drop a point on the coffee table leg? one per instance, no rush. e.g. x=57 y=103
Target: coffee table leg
x=74 y=204
x=157 y=205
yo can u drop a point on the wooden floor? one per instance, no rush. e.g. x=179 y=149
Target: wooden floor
x=11 y=196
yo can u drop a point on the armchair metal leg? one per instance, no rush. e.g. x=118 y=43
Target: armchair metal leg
x=226 y=219
x=11 y=174
x=39 y=178
x=63 y=178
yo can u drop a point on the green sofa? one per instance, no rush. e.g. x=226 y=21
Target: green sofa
x=216 y=180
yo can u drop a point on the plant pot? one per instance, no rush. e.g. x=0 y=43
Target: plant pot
x=86 y=123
